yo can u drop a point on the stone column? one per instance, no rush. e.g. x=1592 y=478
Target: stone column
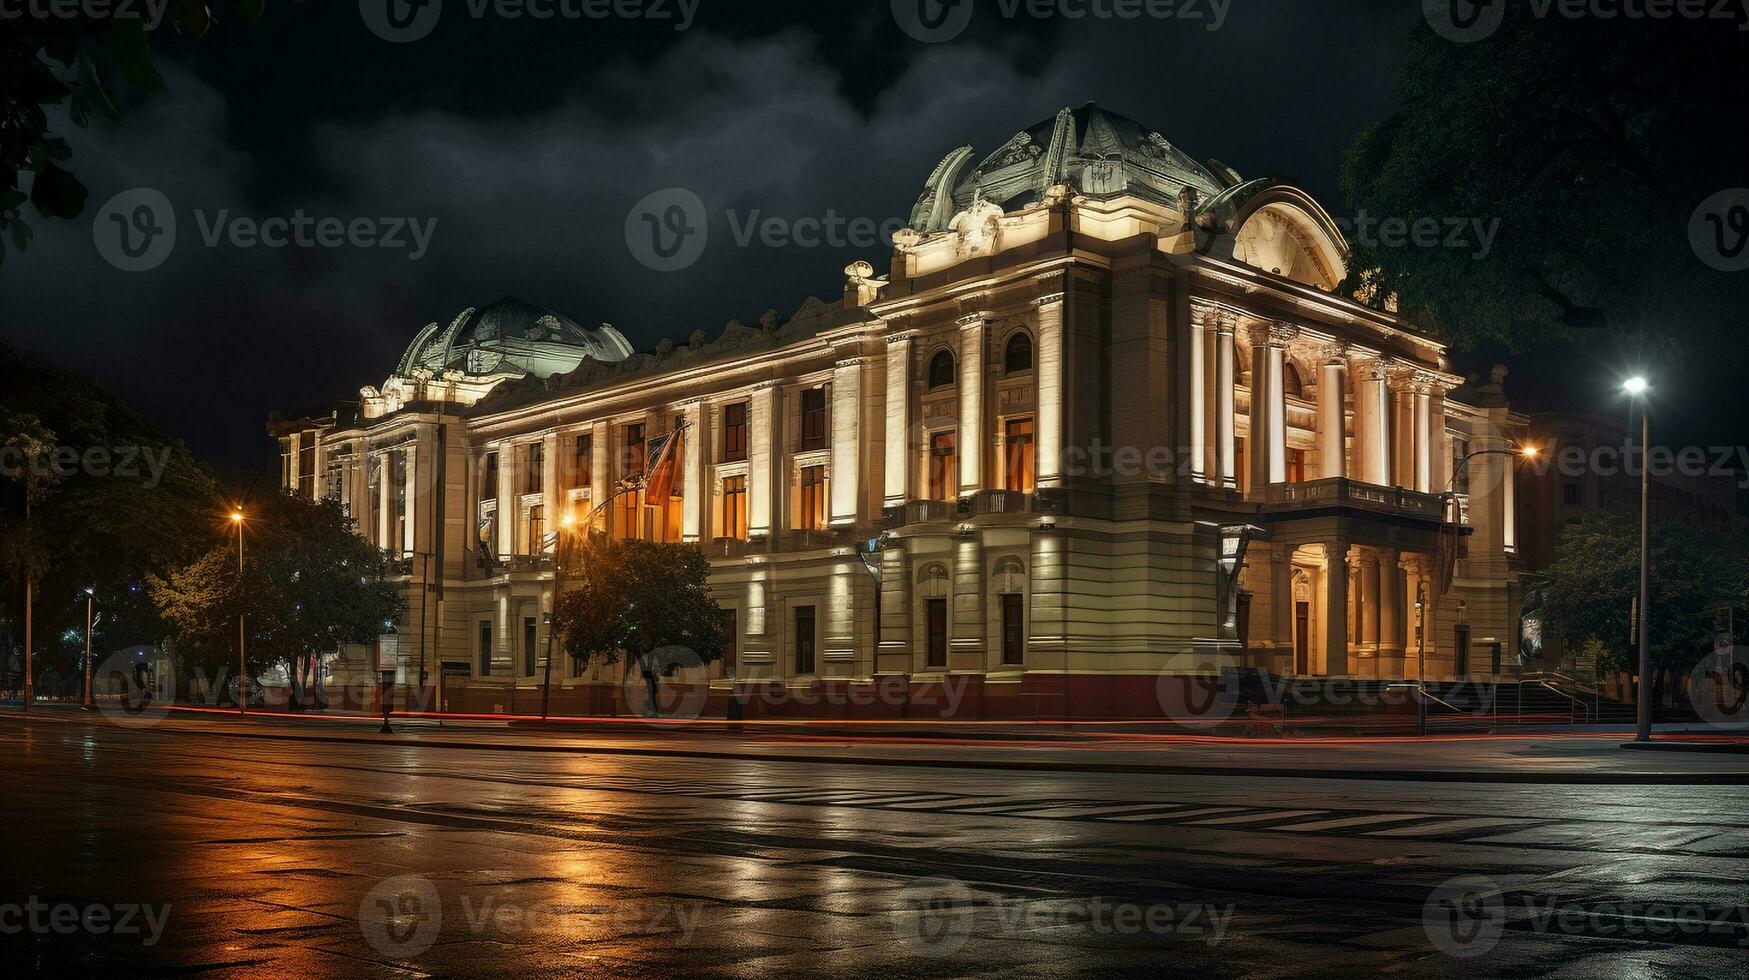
x=1197 y=355
x=1403 y=430
x=695 y=449
x=1281 y=586
x=1332 y=408
x=966 y=630
x=508 y=465
x=1390 y=614
x=1048 y=353
x=410 y=499
x=1372 y=447
x=552 y=495
x=385 y=497
x=1268 y=404
x=1224 y=413
x=1369 y=610
x=846 y=409
x=893 y=655
x=900 y=451
x=765 y=484
x=1336 y=608
x=971 y=420
x=1424 y=438
x=600 y=465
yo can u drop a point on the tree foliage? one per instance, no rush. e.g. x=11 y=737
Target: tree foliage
x=112 y=500
x=50 y=60
x=637 y=599
x=1591 y=141
x=1595 y=582
x=309 y=583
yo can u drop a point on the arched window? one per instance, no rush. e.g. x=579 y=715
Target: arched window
x=1018 y=356
x=941 y=372
x=1291 y=385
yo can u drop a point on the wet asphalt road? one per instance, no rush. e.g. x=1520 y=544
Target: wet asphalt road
x=167 y=853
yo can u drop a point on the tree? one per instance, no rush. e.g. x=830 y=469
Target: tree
x=1594 y=584
x=641 y=600
x=309 y=585
x=1591 y=141
x=110 y=499
x=54 y=59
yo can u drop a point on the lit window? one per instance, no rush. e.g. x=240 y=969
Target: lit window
x=943 y=467
x=813 y=502
x=1022 y=456
x=734 y=523
x=735 y=432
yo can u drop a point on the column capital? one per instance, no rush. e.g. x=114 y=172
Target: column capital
x=1048 y=299
x=898 y=337
x=1418 y=380
x=1271 y=333
x=1337 y=354
x=1280 y=552
x=971 y=320
x=851 y=361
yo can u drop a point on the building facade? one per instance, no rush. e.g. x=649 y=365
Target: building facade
x=1103 y=422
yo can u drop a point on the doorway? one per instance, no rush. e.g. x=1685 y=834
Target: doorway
x=1302 y=637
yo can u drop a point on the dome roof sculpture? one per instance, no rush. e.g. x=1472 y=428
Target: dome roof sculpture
x=1095 y=152
x=511 y=337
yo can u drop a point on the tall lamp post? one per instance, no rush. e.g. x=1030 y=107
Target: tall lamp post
x=242 y=669
x=1636 y=388
x=90 y=594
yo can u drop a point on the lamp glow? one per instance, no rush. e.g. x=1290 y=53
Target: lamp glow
x=1636 y=386
x=236 y=517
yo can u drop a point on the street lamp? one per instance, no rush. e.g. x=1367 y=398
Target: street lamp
x=1636 y=388
x=242 y=668
x=90 y=594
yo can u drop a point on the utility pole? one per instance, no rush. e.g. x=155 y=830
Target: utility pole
x=29 y=582
x=1644 y=732
x=242 y=668
x=90 y=594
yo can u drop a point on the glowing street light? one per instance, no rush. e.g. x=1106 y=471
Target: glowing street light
x=90 y=594
x=1637 y=387
x=242 y=668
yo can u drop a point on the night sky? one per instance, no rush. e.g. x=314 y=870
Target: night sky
x=530 y=140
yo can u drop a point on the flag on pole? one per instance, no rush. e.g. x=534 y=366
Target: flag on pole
x=663 y=451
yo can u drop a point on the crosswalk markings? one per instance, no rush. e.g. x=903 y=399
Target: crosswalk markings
x=1346 y=822
x=1445 y=827
x=1168 y=814
x=1257 y=817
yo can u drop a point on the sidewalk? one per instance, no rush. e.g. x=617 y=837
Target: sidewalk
x=1581 y=757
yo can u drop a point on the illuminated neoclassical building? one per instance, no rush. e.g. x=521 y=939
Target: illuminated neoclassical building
x=1103 y=418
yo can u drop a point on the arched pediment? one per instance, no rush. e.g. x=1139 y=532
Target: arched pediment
x=1284 y=232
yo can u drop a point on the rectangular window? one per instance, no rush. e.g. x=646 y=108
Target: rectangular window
x=813 y=419
x=943 y=467
x=582 y=460
x=734 y=508
x=485 y=648
x=398 y=493
x=1013 y=630
x=731 y=635
x=813 y=503
x=1296 y=466
x=632 y=463
x=804 y=639
x=1570 y=494
x=537 y=529
x=735 y=432
x=1022 y=466
x=935 y=611
x=537 y=460
x=530 y=636
x=307 y=464
x=1241 y=472
x=489 y=484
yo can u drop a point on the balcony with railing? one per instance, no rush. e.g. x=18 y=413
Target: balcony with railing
x=1290 y=499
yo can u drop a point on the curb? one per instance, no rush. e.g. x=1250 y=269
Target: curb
x=1740 y=778
x=1726 y=748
